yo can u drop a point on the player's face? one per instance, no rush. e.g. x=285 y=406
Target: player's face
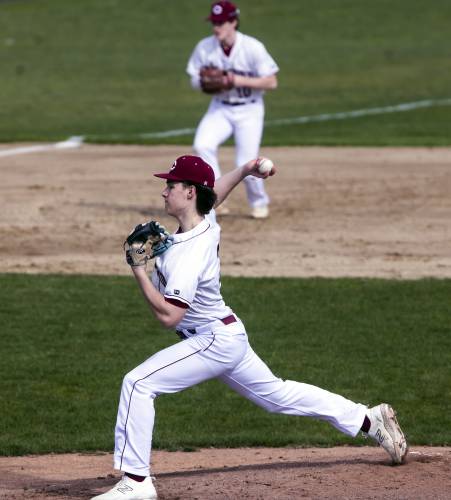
x=224 y=32
x=176 y=197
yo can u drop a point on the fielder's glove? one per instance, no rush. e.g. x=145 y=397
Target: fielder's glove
x=215 y=80
x=145 y=242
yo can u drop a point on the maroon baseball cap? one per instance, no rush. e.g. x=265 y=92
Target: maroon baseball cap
x=223 y=11
x=190 y=169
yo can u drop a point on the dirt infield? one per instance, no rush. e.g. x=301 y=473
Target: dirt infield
x=252 y=473
x=335 y=212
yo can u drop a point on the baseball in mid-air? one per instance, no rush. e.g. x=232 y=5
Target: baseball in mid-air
x=265 y=165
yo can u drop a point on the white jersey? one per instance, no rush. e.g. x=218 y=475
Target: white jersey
x=189 y=272
x=248 y=57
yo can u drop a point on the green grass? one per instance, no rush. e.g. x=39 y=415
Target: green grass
x=111 y=70
x=67 y=341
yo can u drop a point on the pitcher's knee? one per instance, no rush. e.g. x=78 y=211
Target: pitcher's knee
x=132 y=383
x=128 y=382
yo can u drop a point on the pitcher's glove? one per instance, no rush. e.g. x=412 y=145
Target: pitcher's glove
x=145 y=242
x=215 y=80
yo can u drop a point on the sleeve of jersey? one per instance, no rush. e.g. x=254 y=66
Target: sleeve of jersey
x=266 y=66
x=194 y=65
x=182 y=284
x=211 y=217
x=193 y=62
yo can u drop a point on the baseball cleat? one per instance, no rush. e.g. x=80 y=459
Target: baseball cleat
x=386 y=431
x=129 y=489
x=261 y=212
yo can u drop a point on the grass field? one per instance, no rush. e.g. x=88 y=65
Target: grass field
x=67 y=341
x=112 y=70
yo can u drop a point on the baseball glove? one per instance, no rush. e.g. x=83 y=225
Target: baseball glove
x=215 y=80
x=146 y=241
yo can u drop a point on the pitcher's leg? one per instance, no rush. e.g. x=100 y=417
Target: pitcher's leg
x=168 y=371
x=171 y=370
x=255 y=381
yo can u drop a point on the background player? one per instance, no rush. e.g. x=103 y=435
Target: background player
x=184 y=293
x=238 y=109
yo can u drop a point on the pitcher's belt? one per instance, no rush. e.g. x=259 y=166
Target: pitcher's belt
x=189 y=332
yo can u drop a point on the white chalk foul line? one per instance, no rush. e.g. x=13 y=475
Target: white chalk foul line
x=167 y=133
x=343 y=115
x=72 y=142
x=408 y=106
x=76 y=141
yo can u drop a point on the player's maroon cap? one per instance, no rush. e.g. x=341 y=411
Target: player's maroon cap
x=223 y=11
x=191 y=169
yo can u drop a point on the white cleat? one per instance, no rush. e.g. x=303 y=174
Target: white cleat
x=261 y=212
x=386 y=431
x=129 y=489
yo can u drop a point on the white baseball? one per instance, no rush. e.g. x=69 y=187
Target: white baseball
x=265 y=165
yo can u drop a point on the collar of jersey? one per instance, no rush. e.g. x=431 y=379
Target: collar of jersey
x=238 y=39
x=199 y=229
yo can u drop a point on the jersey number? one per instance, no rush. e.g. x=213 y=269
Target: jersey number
x=244 y=91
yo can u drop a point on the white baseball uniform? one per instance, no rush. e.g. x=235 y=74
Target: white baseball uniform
x=239 y=111
x=215 y=345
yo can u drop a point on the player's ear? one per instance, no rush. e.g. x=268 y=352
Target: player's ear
x=191 y=191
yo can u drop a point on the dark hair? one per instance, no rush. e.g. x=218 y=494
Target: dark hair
x=206 y=197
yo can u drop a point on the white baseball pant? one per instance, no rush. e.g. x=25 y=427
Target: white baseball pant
x=245 y=122
x=222 y=353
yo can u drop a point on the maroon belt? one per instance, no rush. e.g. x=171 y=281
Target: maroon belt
x=227 y=321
